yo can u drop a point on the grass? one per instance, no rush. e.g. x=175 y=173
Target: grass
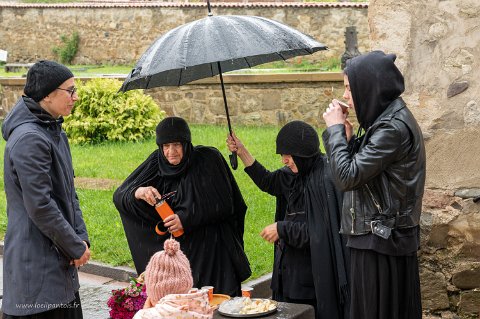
x=117 y=160
x=81 y=70
x=298 y=64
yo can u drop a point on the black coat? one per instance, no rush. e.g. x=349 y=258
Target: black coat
x=328 y=253
x=292 y=271
x=210 y=207
x=45 y=228
x=382 y=172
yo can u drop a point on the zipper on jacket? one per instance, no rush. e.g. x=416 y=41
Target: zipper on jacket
x=352 y=212
x=374 y=200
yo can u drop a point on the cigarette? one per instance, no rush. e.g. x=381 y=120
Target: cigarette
x=344 y=106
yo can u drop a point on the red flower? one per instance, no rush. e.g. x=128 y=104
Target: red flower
x=124 y=303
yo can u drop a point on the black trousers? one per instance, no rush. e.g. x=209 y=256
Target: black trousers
x=72 y=310
x=384 y=286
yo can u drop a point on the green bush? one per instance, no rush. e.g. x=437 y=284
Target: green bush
x=101 y=114
x=67 y=52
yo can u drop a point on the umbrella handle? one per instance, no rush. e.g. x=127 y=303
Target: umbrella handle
x=233 y=160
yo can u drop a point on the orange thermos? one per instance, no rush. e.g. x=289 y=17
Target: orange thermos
x=164 y=210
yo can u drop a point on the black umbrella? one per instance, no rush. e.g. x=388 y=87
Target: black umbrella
x=216 y=44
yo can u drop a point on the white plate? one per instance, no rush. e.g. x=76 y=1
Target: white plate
x=249 y=315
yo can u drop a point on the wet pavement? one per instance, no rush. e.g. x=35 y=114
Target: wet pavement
x=97 y=281
x=94 y=293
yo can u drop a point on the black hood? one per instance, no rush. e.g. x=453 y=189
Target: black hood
x=375 y=82
x=27 y=111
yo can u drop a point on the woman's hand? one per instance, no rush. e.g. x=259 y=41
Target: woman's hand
x=149 y=194
x=270 y=233
x=235 y=145
x=348 y=129
x=173 y=223
x=334 y=114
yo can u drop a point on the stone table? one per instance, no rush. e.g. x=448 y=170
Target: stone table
x=284 y=311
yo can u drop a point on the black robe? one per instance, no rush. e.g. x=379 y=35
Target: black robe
x=292 y=279
x=329 y=254
x=210 y=207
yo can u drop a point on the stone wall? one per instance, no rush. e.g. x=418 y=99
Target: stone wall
x=119 y=33
x=450 y=254
x=438 y=48
x=252 y=99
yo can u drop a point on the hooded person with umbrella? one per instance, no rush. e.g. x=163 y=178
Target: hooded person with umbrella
x=310 y=259
x=207 y=206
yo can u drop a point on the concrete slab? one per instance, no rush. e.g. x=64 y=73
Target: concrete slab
x=87 y=278
x=94 y=293
x=116 y=273
x=94 y=299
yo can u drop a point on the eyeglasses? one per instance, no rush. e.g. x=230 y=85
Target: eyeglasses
x=72 y=91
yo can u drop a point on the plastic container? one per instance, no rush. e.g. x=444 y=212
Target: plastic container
x=247 y=291
x=164 y=210
x=210 y=292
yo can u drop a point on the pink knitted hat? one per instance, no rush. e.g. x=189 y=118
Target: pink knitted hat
x=168 y=272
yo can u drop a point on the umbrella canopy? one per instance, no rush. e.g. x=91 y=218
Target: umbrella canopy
x=191 y=51
x=216 y=44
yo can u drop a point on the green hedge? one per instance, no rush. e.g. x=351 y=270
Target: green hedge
x=102 y=114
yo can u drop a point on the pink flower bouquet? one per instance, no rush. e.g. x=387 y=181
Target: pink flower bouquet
x=124 y=303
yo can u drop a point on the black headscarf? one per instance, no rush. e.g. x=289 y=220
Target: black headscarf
x=375 y=82
x=298 y=138
x=168 y=170
x=305 y=164
x=170 y=130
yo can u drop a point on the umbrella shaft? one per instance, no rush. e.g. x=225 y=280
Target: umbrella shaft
x=224 y=98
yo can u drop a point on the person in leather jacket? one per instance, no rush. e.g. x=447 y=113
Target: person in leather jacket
x=382 y=172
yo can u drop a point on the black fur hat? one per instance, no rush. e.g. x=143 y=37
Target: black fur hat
x=298 y=138
x=173 y=129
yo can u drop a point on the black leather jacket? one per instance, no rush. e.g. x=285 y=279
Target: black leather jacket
x=383 y=177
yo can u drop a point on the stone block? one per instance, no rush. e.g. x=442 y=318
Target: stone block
x=467 y=278
x=434 y=290
x=456 y=88
x=468 y=192
x=469 y=303
x=465 y=230
x=438 y=237
x=437 y=199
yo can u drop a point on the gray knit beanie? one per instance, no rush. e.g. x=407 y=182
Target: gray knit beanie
x=44 y=77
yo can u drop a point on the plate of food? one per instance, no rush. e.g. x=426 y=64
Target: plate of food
x=246 y=307
x=217 y=299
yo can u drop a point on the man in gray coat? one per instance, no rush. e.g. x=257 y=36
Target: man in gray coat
x=46 y=238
